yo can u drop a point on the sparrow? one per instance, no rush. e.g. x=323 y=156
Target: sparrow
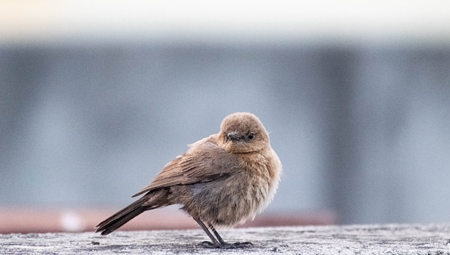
x=221 y=181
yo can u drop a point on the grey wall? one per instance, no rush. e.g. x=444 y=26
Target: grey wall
x=362 y=130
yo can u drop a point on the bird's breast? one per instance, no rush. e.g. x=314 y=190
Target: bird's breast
x=234 y=198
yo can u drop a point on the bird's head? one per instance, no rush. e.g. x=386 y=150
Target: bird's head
x=242 y=132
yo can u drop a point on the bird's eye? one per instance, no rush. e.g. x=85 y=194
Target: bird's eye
x=251 y=136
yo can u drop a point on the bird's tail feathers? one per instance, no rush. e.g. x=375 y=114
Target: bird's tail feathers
x=126 y=214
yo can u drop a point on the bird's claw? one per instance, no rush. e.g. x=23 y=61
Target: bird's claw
x=237 y=245
x=206 y=244
x=242 y=245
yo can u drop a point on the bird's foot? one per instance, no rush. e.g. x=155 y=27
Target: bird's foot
x=242 y=245
x=238 y=245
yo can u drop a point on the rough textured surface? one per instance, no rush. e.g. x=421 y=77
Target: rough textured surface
x=357 y=239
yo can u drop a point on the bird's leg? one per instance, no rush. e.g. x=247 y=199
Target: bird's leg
x=207 y=244
x=223 y=244
x=217 y=241
x=216 y=234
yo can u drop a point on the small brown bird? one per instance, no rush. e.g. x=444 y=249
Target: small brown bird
x=222 y=180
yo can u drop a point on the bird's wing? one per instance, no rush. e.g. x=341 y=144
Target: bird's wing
x=204 y=162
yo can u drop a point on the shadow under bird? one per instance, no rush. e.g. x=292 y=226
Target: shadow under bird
x=221 y=181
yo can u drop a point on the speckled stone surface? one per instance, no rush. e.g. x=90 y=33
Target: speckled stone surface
x=355 y=239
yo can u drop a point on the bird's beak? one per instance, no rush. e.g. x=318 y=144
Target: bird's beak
x=233 y=136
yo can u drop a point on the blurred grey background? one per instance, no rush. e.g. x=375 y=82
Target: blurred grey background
x=96 y=97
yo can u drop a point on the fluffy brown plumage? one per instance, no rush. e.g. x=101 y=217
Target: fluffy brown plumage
x=222 y=180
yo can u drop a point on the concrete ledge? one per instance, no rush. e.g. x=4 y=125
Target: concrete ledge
x=357 y=239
